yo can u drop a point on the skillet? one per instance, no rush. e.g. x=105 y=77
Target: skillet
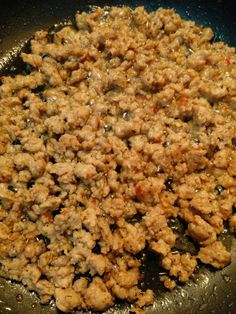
x=209 y=291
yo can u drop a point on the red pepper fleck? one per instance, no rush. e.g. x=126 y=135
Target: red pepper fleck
x=208 y=61
x=4 y=178
x=88 y=175
x=48 y=214
x=94 y=201
x=154 y=109
x=158 y=139
x=182 y=100
x=227 y=61
x=143 y=97
x=138 y=190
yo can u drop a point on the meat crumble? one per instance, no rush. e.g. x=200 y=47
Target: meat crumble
x=126 y=120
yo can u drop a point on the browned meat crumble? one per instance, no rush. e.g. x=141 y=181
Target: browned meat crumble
x=125 y=121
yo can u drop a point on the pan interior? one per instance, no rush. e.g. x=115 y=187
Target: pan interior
x=209 y=291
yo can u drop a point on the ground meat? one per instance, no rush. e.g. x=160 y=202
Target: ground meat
x=45 y=289
x=85 y=171
x=168 y=283
x=103 y=299
x=232 y=223
x=215 y=254
x=181 y=266
x=67 y=299
x=200 y=230
x=125 y=123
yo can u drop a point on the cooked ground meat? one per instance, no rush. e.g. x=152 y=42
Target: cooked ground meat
x=126 y=121
x=215 y=254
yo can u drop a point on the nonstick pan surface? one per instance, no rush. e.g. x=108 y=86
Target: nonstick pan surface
x=209 y=291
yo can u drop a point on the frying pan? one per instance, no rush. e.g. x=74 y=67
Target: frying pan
x=209 y=291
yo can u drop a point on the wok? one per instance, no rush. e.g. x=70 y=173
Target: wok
x=209 y=291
